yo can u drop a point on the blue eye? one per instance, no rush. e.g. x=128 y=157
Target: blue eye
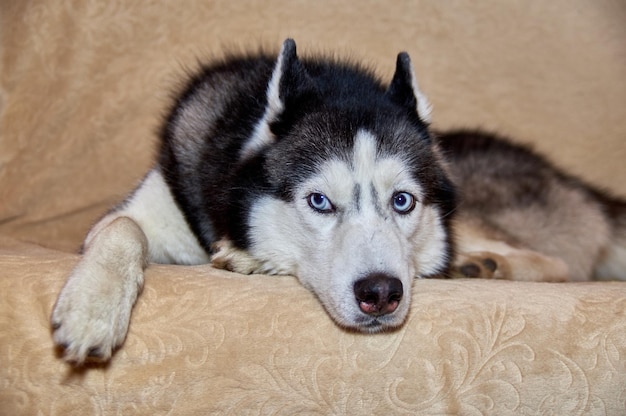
x=403 y=202
x=320 y=203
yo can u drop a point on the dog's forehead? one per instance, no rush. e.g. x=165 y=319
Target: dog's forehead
x=363 y=170
x=371 y=166
x=364 y=154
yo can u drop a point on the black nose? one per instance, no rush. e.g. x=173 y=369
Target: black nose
x=378 y=293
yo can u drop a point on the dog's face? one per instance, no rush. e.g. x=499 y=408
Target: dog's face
x=356 y=229
x=355 y=201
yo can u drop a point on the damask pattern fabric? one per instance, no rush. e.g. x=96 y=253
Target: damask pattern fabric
x=83 y=85
x=209 y=342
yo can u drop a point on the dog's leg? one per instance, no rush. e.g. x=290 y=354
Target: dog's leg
x=510 y=263
x=91 y=316
x=233 y=259
x=480 y=255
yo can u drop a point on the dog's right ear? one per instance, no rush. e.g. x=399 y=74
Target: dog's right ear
x=289 y=85
x=289 y=82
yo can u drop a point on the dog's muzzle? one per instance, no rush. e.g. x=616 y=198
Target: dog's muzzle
x=378 y=294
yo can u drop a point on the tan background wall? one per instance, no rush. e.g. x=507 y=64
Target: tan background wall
x=83 y=84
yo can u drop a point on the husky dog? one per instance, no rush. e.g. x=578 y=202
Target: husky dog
x=314 y=167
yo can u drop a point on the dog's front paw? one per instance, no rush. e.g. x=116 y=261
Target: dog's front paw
x=91 y=316
x=481 y=265
x=226 y=256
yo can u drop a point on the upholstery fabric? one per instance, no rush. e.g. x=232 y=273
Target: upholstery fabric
x=204 y=341
x=83 y=86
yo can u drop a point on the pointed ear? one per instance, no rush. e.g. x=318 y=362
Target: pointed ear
x=403 y=89
x=289 y=79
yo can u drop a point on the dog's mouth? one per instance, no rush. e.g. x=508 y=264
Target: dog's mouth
x=373 y=324
x=359 y=321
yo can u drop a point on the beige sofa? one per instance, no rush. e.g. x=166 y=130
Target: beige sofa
x=82 y=89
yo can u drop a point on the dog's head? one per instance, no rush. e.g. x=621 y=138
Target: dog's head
x=357 y=199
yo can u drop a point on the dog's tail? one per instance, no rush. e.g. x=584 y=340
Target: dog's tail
x=612 y=262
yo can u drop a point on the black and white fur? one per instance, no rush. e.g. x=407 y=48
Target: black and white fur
x=311 y=167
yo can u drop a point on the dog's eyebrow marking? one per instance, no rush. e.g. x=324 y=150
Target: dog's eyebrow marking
x=356 y=195
x=376 y=201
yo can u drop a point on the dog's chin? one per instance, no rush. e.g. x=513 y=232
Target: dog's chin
x=373 y=324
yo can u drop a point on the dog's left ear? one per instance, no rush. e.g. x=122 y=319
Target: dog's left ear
x=403 y=89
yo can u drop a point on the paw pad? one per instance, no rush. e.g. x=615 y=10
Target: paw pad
x=479 y=266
